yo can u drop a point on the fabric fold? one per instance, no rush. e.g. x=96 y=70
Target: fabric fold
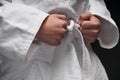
x=66 y=55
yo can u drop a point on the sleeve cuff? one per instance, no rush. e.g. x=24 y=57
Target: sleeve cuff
x=109 y=34
x=25 y=21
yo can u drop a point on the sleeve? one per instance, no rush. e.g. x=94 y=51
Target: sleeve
x=109 y=34
x=19 y=24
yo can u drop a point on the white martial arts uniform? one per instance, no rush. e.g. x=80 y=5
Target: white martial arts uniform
x=21 y=59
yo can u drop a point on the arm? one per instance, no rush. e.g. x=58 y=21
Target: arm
x=19 y=25
x=109 y=34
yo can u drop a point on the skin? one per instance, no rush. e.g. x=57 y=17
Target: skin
x=89 y=27
x=54 y=28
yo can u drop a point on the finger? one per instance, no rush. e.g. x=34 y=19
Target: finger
x=54 y=40
x=96 y=20
x=92 y=33
x=58 y=40
x=60 y=16
x=64 y=24
x=85 y=16
x=79 y=22
x=89 y=39
x=60 y=32
x=90 y=25
x=63 y=32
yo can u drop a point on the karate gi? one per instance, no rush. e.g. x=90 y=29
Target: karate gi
x=22 y=59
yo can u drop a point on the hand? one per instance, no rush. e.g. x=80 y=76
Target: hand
x=53 y=29
x=89 y=27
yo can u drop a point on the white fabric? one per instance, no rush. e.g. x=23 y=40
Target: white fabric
x=72 y=60
x=101 y=10
x=21 y=24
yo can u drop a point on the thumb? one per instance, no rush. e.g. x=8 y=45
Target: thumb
x=60 y=16
x=85 y=16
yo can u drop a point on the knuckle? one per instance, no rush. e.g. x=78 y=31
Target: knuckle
x=55 y=43
x=59 y=38
x=64 y=17
x=96 y=32
x=93 y=39
x=97 y=24
x=63 y=31
x=64 y=23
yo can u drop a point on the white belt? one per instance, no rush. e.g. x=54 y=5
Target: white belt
x=73 y=39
